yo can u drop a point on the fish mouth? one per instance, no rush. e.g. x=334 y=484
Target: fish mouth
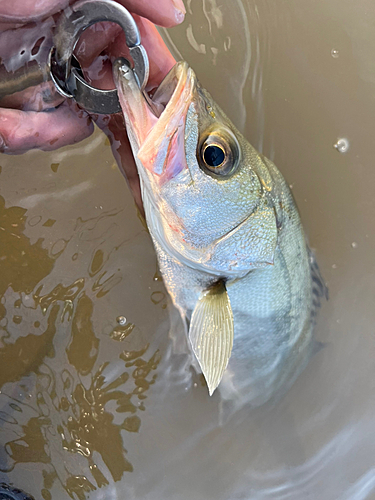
x=156 y=124
x=171 y=88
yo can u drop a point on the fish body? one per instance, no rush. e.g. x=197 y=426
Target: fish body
x=228 y=236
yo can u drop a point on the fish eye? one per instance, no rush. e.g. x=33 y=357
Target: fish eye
x=218 y=153
x=214 y=155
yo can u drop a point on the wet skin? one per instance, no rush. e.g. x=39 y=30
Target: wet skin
x=39 y=117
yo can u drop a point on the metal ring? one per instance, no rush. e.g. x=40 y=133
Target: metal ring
x=68 y=78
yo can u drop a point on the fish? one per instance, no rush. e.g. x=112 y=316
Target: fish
x=227 y=233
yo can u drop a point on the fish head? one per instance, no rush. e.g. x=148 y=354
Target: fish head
x=205 y=189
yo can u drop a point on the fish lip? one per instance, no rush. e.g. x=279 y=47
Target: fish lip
x=148 y=119
x=182 y=72
x=178 y=81
x=161 y=147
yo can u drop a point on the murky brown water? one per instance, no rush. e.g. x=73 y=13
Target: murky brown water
x=93 y=408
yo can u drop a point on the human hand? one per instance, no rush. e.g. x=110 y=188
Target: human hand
x=39 y=117
x=99 y=74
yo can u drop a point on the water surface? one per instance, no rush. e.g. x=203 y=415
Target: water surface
x=91 y=408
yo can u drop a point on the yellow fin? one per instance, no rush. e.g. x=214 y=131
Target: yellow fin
x=211 y=334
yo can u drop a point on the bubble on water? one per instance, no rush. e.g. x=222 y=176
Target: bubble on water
x=121 y=320
x=335 y=53
x=354 y=244
x=34 y=220
x=334 y=266
x=342 y=145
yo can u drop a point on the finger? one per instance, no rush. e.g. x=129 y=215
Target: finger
x=160 y=59
x=20 y=46
x=27 y=11
x=165 y=13
x=99 y=74
x=162 y=12
x=94 y=40
x=38 y=98
x=24 y=54
x=99 y=36
x=24 y=130
x=114 y=127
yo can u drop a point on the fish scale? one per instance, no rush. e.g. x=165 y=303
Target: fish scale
x=230 y=244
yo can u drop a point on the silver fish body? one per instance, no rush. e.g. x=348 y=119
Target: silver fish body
x=221 y=215
x=272 y=306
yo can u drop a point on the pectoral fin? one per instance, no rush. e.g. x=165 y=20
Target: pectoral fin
x=211 y=334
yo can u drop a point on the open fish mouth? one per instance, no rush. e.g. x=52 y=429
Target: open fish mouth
x=170 y=89
x=156 y=124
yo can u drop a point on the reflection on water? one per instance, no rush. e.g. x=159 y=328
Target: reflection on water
x=65 y=403
x=86 y=398
x=22 y=264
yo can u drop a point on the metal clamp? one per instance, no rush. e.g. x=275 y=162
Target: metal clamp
x=64 y=68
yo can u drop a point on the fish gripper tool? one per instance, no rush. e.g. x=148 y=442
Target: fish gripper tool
x=65 y=70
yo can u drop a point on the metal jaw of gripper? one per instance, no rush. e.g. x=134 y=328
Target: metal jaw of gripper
x=65 y=70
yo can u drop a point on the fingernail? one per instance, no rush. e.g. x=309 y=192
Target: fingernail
x=180 y=10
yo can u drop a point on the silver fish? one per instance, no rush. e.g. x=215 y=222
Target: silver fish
x=227 y=233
